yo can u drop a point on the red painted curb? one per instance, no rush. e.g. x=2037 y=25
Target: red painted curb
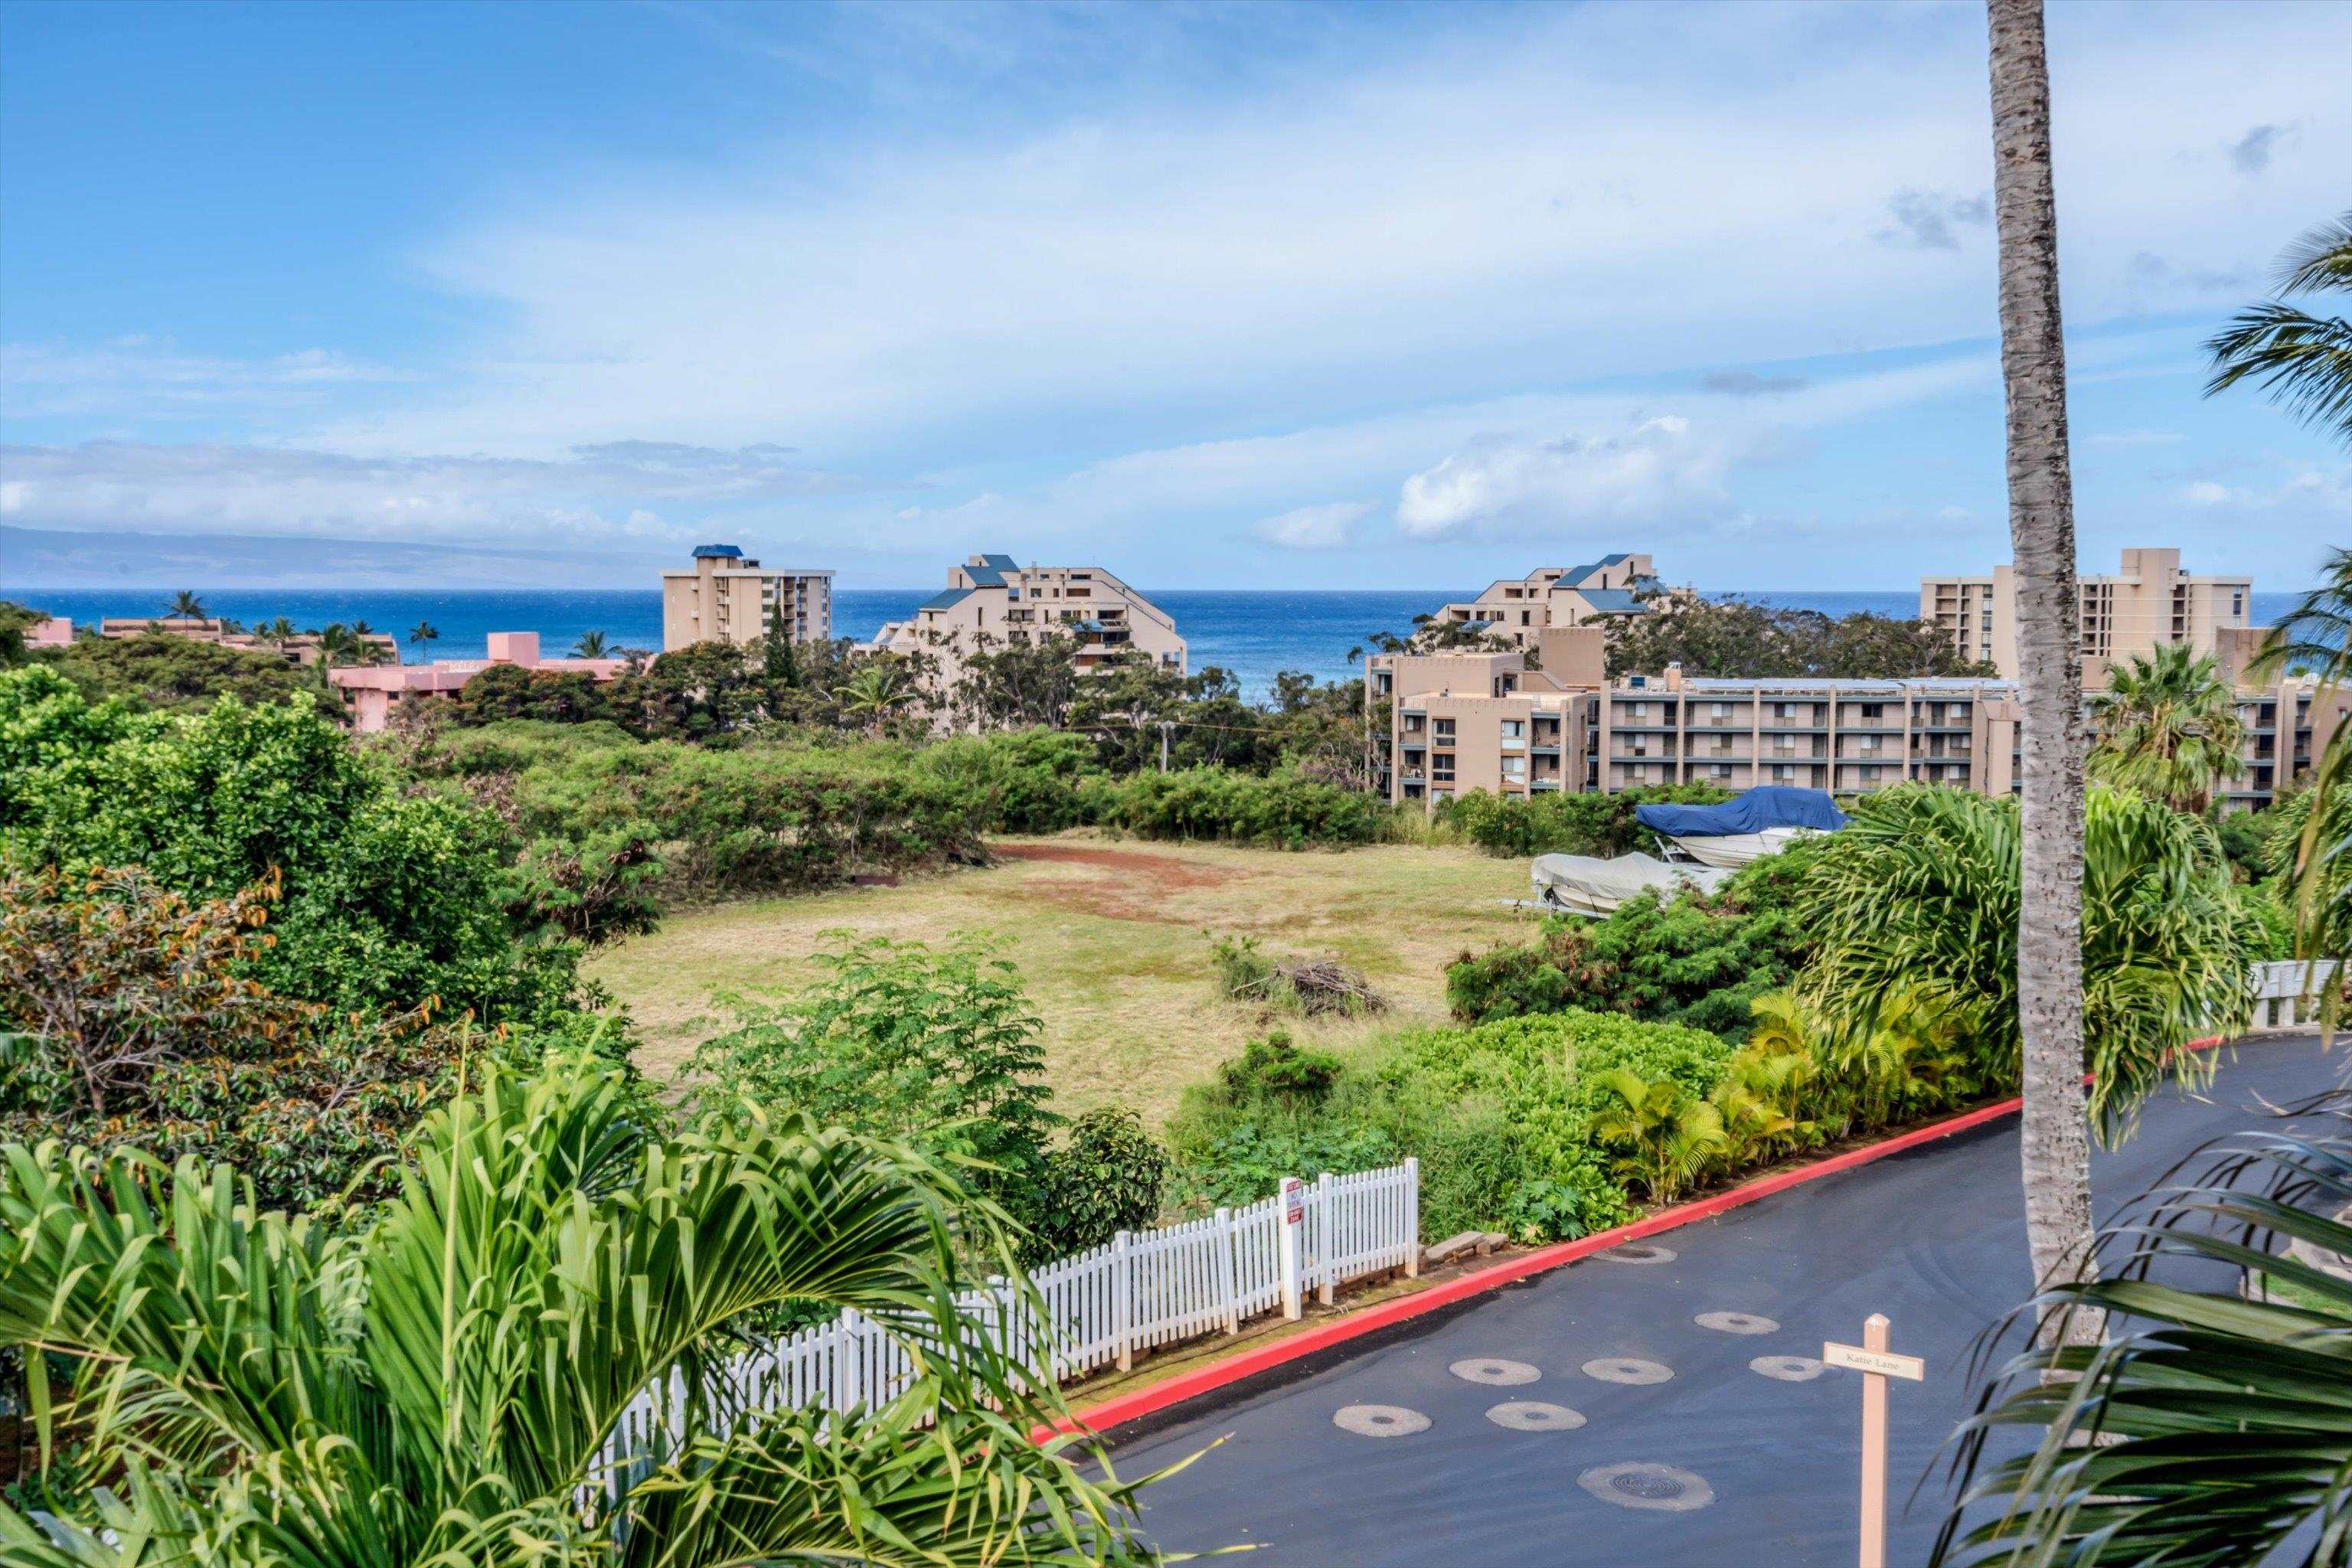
x=1192 y=1385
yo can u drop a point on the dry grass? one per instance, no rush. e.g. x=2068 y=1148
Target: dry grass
x=1111 y=940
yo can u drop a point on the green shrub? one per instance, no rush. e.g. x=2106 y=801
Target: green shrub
x=1694 y=959
x=384 y=900
x=1558 y=822
x=1106 y=1176
x=1274 y=1068
x=935 y=1046
x=1284 y=811
x=1499 y=1116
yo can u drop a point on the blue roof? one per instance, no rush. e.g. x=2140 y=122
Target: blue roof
x=985 y=576
x=948 y=600
x=1614 y=560
x=1001 y=563
x=1613 y=601
x=718 y=553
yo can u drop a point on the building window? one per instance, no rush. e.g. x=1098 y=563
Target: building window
x=1874 y=710
x=1720 y=770
x=1515 y=767
x=1445 y=729
x=1514 y=729
x=1719 y=709
x=1637 y=709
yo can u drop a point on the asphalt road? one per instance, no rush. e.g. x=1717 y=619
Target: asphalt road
x=1744 y=1469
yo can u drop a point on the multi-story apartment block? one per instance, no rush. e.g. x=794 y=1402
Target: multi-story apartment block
x=1514 y=609
x=2149 y=601
x=992 y=600
x=727 y=596
x=1844 y=736
x=2288 y=725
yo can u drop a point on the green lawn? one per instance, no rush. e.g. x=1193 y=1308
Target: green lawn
x=1112 y=938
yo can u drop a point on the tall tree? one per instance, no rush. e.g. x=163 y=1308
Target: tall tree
x=589 y=645
x=186 y=606
x=778 y=664
x=2168 y=727
x=423 y=635
x=2055 y=1137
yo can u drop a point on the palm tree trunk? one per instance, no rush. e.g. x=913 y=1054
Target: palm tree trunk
x=2056 y=1136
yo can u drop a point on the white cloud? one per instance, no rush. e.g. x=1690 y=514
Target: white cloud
x=2136 y=437
x=133 y=377
x=1659 y=471
x=1517 y=197
x=1328 y=526
x=2205 y=492
x=599 y=492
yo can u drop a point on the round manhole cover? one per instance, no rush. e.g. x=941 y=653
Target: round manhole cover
x=1494 y=1369
x=1735 y=1323
x=1379 y=1420
x=1534 y=1416
x=1647 y=1486
x=1787 y=1368
x=1636 y=1252
x=1628 y=1369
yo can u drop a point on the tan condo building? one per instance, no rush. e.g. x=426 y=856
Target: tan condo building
x=727 y=596
x=992 y=601
x=1484 y=721
x=2149 y=601
x=1515 y=609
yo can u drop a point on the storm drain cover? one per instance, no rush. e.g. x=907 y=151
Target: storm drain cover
x=1647 y=1486
x=1735 y=1323
x=1628 y=1369
x=1637 y=1252
x=1534 y=1416
x=1379 y=1420
x=1494 y=1369
x=1787 y=1368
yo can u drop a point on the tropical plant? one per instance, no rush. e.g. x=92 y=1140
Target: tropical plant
x=447 y=1385
x=276 y=633
x=871 y=698
x=1666 y=1136
x=1106 y=1176
x=186 y=606
x=2212 y=1429
x=423 y=635
x=2045 y=977
x=589 y=645
x=1916 y=906
x=935 y=1046
x=2302 y=361
x=2167 y=726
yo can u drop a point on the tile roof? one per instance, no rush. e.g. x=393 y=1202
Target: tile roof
x=948 y=600
x=1613 y=601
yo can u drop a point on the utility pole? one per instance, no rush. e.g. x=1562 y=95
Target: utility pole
x=1165 y=726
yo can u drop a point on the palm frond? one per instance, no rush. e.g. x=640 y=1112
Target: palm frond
x=2219 y=1425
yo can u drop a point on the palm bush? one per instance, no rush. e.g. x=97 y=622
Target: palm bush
x=2168 y=727
x=1915 y=904
x=444 y=1386
x=1666 y=1136
x=2212 y=1428
x=2311 y=849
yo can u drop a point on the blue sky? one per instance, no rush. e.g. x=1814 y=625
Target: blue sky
x=1212 y=296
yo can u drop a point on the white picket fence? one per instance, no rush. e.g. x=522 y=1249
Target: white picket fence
x=1136 y=1291
x=2285 y=994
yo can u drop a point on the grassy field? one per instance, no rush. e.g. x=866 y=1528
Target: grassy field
x=1112 y=939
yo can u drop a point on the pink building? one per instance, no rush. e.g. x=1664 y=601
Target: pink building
x=376 y=689
x=55 y=631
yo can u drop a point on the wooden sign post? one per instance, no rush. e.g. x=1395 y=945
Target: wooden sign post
x=1876 y=1363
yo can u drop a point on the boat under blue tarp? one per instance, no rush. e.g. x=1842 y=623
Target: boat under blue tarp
x=1751 y=811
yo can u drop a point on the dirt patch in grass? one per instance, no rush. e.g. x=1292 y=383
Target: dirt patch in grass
x=1112 y=940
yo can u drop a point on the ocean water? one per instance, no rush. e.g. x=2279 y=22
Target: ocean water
x=1253 y=632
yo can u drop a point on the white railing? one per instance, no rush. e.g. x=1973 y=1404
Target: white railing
x=1136 y=1291
x=2288 y=995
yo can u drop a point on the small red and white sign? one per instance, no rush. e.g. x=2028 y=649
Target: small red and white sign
x=1293 y=1201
